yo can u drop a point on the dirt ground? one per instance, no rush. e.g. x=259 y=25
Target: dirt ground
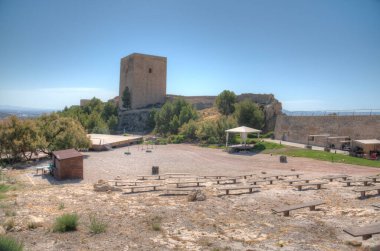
x=233 y=222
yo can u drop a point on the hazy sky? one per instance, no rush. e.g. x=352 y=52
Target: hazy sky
x=311 y=54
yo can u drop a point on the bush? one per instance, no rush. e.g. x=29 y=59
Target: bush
x=66 y=222
x=156 y=223
x=9 y=244
x=176 y=139
x=97 y=226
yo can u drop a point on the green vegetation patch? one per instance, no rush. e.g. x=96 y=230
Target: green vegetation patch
x=332 y=157
x=97 y=226
x=66 y=222
x=9 y=244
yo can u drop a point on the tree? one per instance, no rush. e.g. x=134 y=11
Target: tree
x=173 y=115
x=225 y=102
x=112 y=123
x=248 y=113
x=126 y=98
x=19 y=139
x=59 y=133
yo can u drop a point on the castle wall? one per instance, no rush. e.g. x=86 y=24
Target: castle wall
x=297 y=128
x=145 y=76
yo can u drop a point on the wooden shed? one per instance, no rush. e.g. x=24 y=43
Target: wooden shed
x=68 y=164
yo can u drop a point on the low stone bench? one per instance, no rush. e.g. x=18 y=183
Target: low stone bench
x=298 y=180
x=363 y=190
x=335 y=177
x=254 y=182
x=373 y=178
x=365 y=232
x=366 y=182
x=133 y=188
x=213 y=176
x=270 y=176
x=179 y=184
x=176 y=175
x=292 y=175
x=286 y=209
x=245 y=176
x=152 y=177
x=317 y=184
x=125 y=182
x=177 y=191
x=226 y=181
x=249 y=188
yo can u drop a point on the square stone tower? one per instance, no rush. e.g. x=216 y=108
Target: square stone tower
x=145 y=77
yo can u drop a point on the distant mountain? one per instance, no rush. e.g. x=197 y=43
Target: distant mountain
x=22 y=112
x=332 y=112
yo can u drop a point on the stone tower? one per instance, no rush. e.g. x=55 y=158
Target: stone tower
x=145 y=77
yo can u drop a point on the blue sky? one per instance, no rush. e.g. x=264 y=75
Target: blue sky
x=312 y=55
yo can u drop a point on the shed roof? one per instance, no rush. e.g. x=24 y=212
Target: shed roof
x=66 y=154
x=368 y=141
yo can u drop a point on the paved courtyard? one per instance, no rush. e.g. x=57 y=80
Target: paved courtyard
x=202 y=161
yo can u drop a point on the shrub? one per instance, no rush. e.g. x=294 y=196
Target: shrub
x=176 y=139
x=9 y=244
x=9 y=224
x=97 y=226
x=156 y=223
x=66 y=222
x=32 y=225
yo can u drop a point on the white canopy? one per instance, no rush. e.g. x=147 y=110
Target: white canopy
x=243 y=130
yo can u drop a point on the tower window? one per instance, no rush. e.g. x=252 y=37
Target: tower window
x=150 y=70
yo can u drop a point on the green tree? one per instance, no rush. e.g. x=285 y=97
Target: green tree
x=225 y=102
x=126 y=98
x=189 y=129
x=19 y=139
x=248 y=113
x=112 y=123
x=110 y=109
x=173 y=115
x=59 y=133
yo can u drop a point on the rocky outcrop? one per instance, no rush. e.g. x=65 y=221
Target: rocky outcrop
x=103 y=186
x=135 y=121
x=196 y=195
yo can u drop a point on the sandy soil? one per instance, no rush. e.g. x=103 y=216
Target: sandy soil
x=234 y=222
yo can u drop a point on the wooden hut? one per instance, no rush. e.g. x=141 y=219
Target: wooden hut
x=68 y=164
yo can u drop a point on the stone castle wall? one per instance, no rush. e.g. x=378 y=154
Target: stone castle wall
x=297 y=128
x=145 y=76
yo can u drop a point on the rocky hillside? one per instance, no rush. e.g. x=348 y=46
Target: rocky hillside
x=270 y=105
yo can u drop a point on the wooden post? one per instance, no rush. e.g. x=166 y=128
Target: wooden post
x=319 y=186
x=299 y=188
x=362 y=194
x=286 y=213
x=312 y=208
